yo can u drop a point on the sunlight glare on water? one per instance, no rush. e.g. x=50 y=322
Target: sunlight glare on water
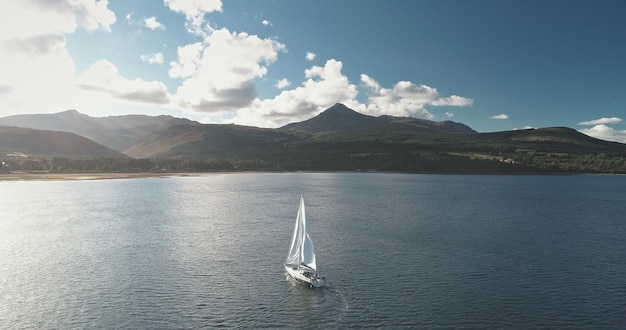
x=398 y=250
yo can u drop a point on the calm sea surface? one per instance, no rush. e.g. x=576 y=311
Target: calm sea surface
x=398 y=250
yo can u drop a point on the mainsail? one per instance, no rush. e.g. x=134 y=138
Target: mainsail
x=301 y=251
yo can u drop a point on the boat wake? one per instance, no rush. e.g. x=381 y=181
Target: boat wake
x=336 y=303
x=342 y=301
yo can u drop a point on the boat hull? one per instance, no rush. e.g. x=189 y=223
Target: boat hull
x=305 y=276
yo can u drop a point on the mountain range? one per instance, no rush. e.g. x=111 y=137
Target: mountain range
x=27 y=141
x=116 y=132
x=339 y=138
x=341 y=118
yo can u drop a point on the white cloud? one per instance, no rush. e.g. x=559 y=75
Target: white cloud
x=323 y=87
x=266 y=22
x=39 y=45
x=28 y=18
x=194 y=11
x=189 y=58
x=501 y=116
x=601 y=131
x=5 y=89
x=283 y=83
x=94 y=14
x=453 y=101
x=156 y=58
x=449 y=114
x=605 y=133
x=152 y=24
x=370 y=82
x=37 y=72
x=612 y=120
x=406 y=99
x=103 y=76
x=219 y=72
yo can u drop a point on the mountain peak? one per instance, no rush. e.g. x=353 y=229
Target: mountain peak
x=341 y=112
x=68 y=113
x=341 y=118
x=337 y=117
x=339 y=107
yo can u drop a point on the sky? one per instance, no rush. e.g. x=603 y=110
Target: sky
x=492 y=65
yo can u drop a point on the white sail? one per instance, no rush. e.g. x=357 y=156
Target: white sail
x=301 y=264
x=294 y=257
x=308 y=253
x=301 y=251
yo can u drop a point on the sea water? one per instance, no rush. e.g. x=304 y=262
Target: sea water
x=397 y=250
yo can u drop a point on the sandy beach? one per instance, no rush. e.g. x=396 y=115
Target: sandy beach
x=43 y=176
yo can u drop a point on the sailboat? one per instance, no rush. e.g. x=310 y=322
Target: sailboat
x=301 y=264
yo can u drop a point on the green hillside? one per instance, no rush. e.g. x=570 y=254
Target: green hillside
x=42 y=143
x=248 y=148
x=338 y=139
x=116 y=132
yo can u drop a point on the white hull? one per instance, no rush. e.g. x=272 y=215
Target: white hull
x=306 y=276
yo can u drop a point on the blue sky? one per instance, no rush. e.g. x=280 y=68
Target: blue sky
x=493 y=65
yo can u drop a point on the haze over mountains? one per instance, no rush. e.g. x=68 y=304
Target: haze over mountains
x=116 y=132
x=121 y=133
x=337 y=139
x=18 y=141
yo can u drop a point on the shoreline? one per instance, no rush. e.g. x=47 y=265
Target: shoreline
x=44 y=176
x=47 y=176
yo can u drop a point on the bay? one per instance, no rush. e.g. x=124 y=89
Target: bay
x=398 y=251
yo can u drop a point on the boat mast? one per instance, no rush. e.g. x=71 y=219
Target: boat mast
x=302 y=223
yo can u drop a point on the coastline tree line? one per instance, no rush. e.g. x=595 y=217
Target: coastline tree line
x=393 y=161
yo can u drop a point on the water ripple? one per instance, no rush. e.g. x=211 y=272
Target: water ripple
x=398 y=251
